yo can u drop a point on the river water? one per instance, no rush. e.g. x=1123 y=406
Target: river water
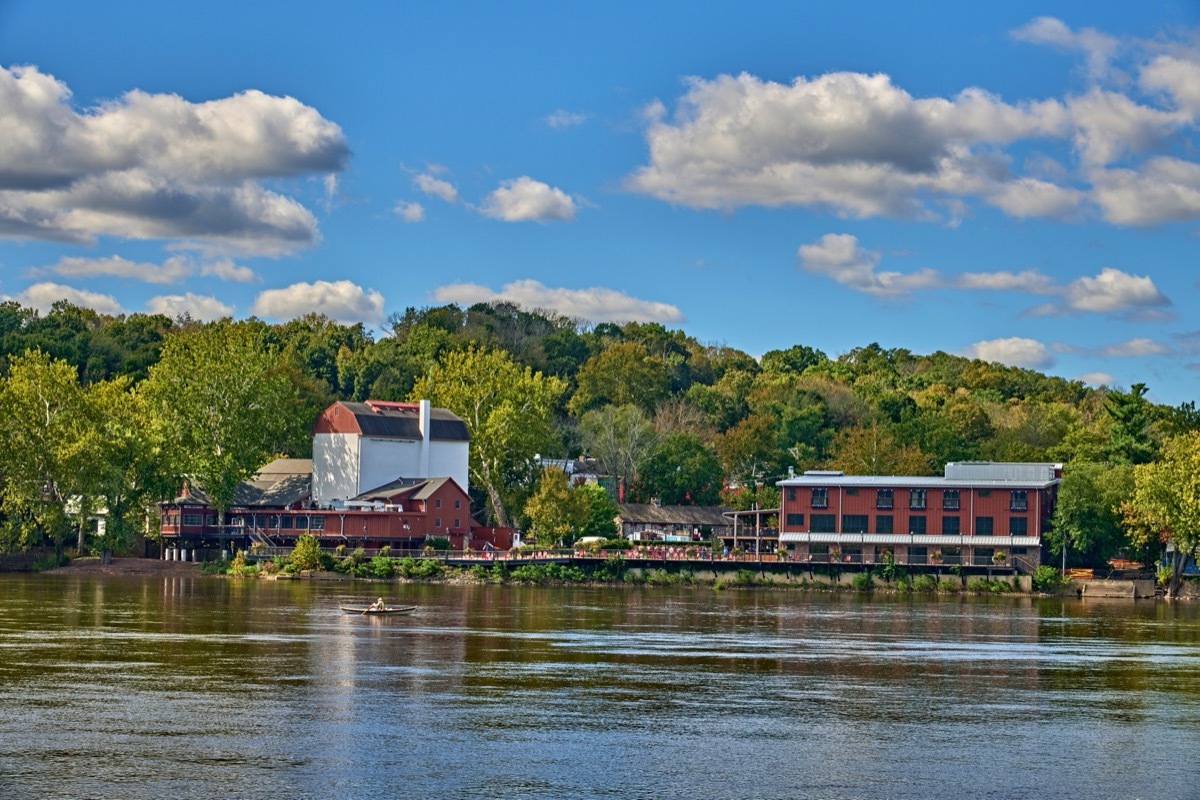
x=205 y=688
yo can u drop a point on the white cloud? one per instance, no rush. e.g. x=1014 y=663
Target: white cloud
x=1030 y=197
x=410 y=212
x=1109 y=125
x=1098 y=47
x=1028 y=280
x=342 y=301
x=1163 y=190
x=437 y=187
x=226 y=270
x=1014 y=351
x=42 y=296
x=173 y=270
x=1178 y=77
x=1113 y=291
x=157 y=166
x=1134 y=348
x=198 y=307
x=595 y=304
x=524 y=200
x=565 y=119
x=1097 y=379
x=838 y=256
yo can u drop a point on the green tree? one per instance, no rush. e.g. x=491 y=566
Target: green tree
x=48 y=444
x=749 y=451
x=220 y=399
x=1166 y=500
x=620 y=438
x=795 y=359
x=556 y=511
x=682 y=471
x=507 y=409
x=1087 y=513
x=306 y=554
x=1132 y=436
x=625 y=373
x=601 y=516
x=870 y=449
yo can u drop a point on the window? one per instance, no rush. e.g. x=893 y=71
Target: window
x=985 y=492
x=285 y=523
x=983 y=526
x=317 y=523
x=791 y=495
x=273 y=521
x=437 y=522
x=437 y=503
x=1019 y=500
x=1018 y=526
x=795 y=520
x=883 y=523
x=918 y=555
x=458 y=503
x=457 y=523
x=193 y=519
x=883 y=498
x=950 y=526
x=854 y=523
x=916 y=524
x=983 y=556
x=302 y=523
x=950 y=499
x=823 y=523
x=212 y=519
x=916 y=498
x=820 y=498
x=852 y=492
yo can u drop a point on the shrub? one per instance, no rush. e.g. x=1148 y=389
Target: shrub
x=981 y=585
x=439 y=543
x=306 y=554
x=1047 y=579
x=948 y=586
x=379 y=567
x=862 y=582
x=926 y=584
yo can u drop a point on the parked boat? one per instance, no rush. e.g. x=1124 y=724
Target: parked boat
x=368 y=611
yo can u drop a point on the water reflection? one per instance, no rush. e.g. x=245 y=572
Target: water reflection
x=141 y=688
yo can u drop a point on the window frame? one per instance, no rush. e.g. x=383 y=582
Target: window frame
x=885 y=498
x=918 y=499
x=819 y=497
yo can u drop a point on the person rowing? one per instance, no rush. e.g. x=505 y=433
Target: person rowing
x=378 y=605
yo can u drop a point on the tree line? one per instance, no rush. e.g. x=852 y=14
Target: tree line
x=118 y=411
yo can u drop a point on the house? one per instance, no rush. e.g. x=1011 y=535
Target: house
x=655 y=522
x=360 y=446
x=979 y=514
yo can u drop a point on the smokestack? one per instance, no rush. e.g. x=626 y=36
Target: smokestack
x=424 y=423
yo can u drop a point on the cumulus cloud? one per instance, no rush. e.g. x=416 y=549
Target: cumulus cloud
x=565 y=119
x=839 y=256
x=595 y=304
x=41 y=296
x=436 y=187
x=174 y=270
x=1135 y=348
x=410 y=212
x=862 y=146
x=1097 y=379
x=1014 y=351
x=198 y=307
x=342 y=301
x=524 y=199
x=158 y=166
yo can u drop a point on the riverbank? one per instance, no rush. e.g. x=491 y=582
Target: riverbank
x=127 y=566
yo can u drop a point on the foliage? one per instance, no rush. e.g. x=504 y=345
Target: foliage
x=622 y=374
x=1047 y=579
x=924 y=584
x=506 y=408
x=440 y=544
x=1166 y=500
x=306 y=554
x=1087 y=513
x=556 y=511
x=862 y=582
x=620 y=438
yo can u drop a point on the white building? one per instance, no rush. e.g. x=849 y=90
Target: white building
x=360 y=446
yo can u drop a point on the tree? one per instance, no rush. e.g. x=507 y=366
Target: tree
x=748 y=450
x=682 y=471
x=48 y=443
x=870 y=449
x=1087 y=513
x=601 y=516
x=1166 y=501
x=1132 y=438
x=623 y=374
x=795 y=359
x=220 y=400
x=555 y=510
x=620 y=438
x=507 y=410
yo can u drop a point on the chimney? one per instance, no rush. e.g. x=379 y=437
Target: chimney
x=424 y=424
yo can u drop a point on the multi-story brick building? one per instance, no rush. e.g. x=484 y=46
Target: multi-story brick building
x=980 y=514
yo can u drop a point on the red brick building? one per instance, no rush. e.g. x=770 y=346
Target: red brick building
x=980 y=514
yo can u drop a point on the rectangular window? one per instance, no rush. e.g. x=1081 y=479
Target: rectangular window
x=458 y=503
x=950 y=526
x=983 y=526
x=883 y=523
x=916 y=524
x=437 y=522
x=437 y=503
x=950 y=499
x=457 y=523
x=791 y=495
x=1019 y=500
x=1018 y=526
x=916 y=498
x=985 y=492
x=285 y=523
x=883 y=498
x=795 y=520
x=317 y=523
x=854 y=523
x=852 y=492
x=918 y=555
x=302 y=522
x=823 y=523
x=982 y=556
x=192 y=519
x=212 y=519
x=820 y=498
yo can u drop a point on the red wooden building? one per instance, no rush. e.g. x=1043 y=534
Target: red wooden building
x=980 y=514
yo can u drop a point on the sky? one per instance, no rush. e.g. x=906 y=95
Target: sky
x=1018 y=182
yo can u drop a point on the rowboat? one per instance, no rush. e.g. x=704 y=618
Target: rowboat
x=368 y=611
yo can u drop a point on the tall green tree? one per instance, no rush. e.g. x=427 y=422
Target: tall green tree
x=556 y=511
x=220 y=400
x=625 y=373
x=507 y=409
x=620 y=438
x=1087 y=512
x=1166 y=500
x=682 y=471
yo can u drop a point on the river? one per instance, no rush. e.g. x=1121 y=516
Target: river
x=154 y=687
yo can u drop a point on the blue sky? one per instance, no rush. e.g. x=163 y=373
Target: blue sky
x=1018 y=181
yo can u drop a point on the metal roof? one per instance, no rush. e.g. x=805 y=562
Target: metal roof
x=913 y=482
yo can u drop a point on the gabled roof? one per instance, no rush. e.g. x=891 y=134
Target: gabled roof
x=282 y=482
x=387 y=420
x=403 y=489
x=634 y=513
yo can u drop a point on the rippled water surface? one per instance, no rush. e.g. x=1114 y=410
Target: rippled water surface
x=191 y=688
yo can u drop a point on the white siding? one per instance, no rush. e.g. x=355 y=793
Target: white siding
x=449 y=459
x=384 y=460
x=335 y=466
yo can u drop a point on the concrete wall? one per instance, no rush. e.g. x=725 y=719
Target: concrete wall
x=1116 y=588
